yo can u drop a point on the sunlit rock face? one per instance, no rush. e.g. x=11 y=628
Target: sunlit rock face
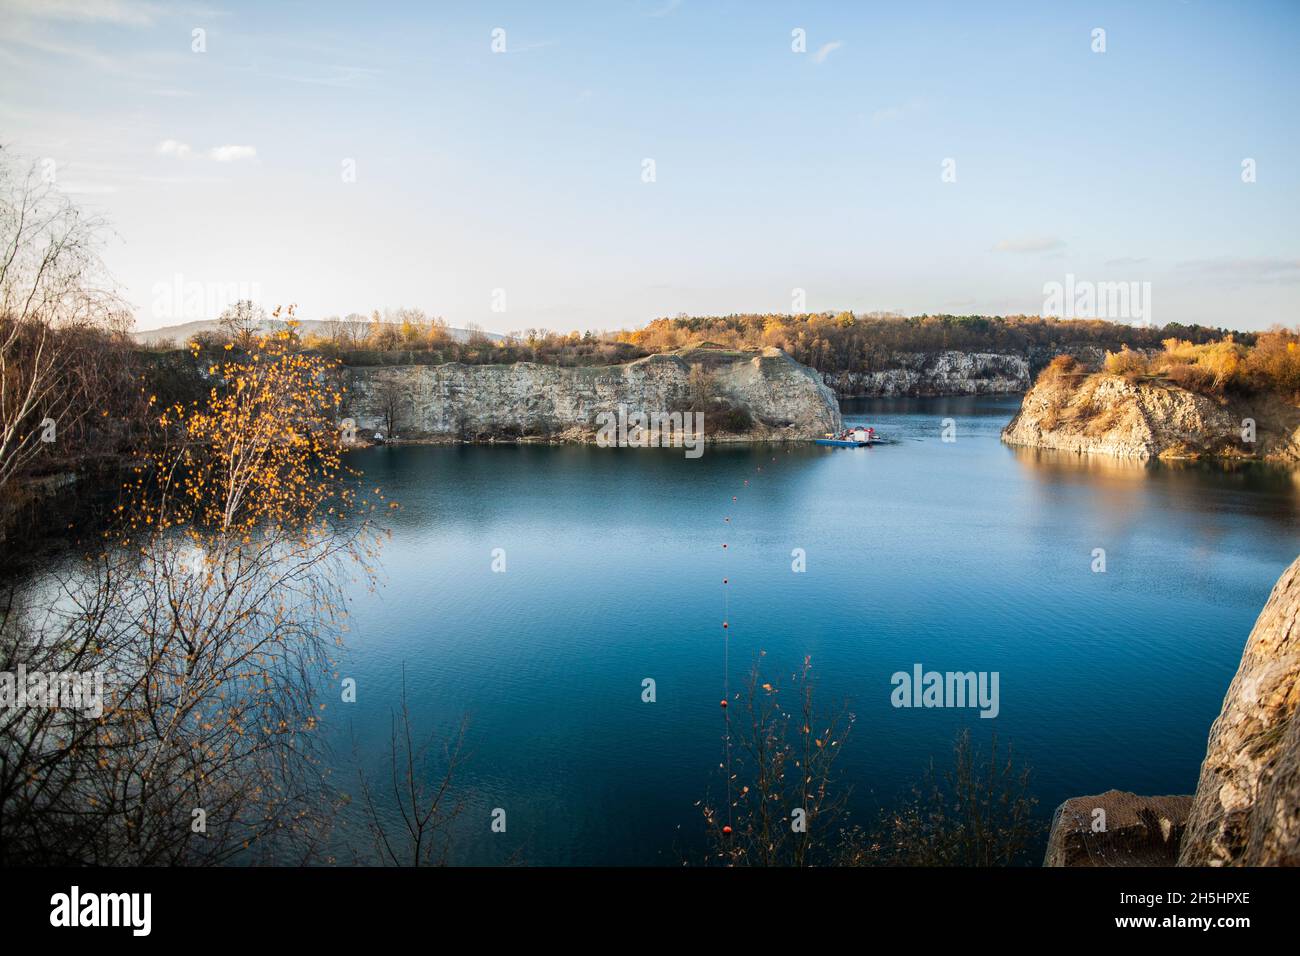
x=935 y=373
x=1111 y=415
x=1246 y=811
x=761 y=396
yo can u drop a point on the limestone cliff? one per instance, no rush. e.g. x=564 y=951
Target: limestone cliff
x=935 y=373
x=750 y=396
x=1246 y=811
x=1103 y=414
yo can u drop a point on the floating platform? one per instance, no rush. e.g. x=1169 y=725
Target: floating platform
x=840 y=443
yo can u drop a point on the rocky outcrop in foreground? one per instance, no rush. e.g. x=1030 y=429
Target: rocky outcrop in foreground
x=1116 y=828
x=1246 y=809
x=935 y=373
x=1247 y=806
x=1103 y=414
x=757 y=396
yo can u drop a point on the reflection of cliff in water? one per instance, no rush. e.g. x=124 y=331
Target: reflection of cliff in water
x=1203 y=487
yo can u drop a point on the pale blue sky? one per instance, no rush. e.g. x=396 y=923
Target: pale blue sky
x=775 y=170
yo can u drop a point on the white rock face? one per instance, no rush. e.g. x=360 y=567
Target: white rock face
x=936 y=373
x=1247 y=806
x=1110 y=415
x=784 y=399
x=1246 y=809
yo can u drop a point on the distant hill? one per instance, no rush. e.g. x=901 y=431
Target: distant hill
x=180 y=334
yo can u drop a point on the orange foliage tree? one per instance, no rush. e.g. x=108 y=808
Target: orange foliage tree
x=211 y=614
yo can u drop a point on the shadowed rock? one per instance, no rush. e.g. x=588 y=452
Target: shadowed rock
x=1117 y=828
x=934 y=373
x=1247 y=806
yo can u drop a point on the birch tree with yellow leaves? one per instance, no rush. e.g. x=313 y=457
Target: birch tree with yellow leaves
x=212 y=612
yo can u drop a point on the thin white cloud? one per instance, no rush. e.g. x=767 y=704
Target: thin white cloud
x=124 y=12
x=86 y=189
x=1247 y=268
x=172 y=147
x=182 y=180
x=666 y=9
x=232 y=154
x=1031 y=244
x=341 y=76
x=33 y=41
x=218 y=154
x=526 y=47
x=826 y=50
x=889 y=114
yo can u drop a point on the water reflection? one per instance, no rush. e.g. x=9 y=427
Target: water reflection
x=966 y=554
x=1199 y=487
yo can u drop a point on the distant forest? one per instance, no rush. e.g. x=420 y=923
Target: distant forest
x=829 y=342
x=864 y=342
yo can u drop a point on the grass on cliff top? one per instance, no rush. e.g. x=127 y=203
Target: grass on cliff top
x=1214 y=369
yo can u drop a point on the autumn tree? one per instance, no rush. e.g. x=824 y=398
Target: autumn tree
x=394 y=405
x=784 y=803
x=980 y=812
x=354 y=328
x=439 y=337
x=779 y=804
x=701 y=388
x=1274 y=362
x=412 y=325
x=419 y=785
x=382 y=335
x=62 y=329
x=242 y=322
x=212 y=611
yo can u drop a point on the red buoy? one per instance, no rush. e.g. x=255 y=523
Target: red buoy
x=724 y=704
x=725 y=625
x=726 y=831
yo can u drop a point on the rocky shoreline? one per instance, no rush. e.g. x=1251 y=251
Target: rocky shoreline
x=746 y=396
x=935 y=374
x=1246 y=808
x=777 y=398
x=1103 y=414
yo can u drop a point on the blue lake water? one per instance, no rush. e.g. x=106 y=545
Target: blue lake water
x=963 y=555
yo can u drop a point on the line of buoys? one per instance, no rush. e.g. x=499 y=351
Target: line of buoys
x=726 y=671
x=726 y=683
